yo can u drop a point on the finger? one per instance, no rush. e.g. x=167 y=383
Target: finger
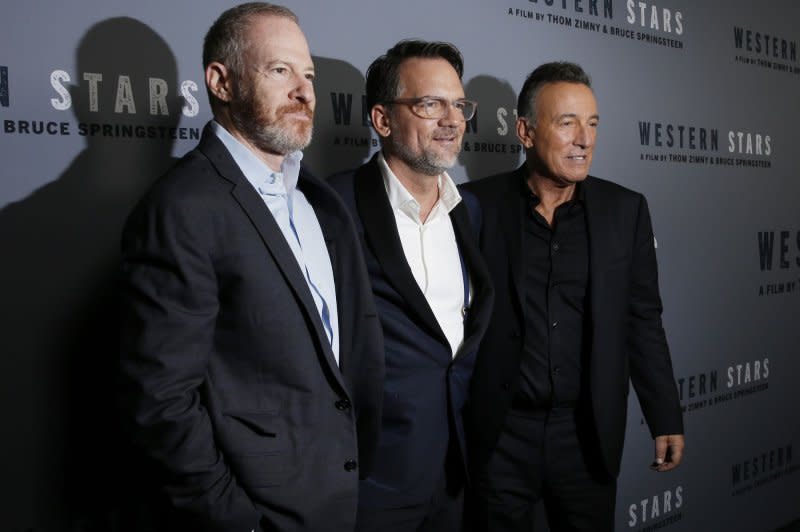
x=661 y=450
x=674 y=454
x=666 y=466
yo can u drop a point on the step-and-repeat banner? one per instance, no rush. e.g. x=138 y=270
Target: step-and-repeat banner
x=699 y=105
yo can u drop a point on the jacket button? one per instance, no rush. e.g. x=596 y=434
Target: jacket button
x=350 y=465
x=342 y=404
x=506 y=386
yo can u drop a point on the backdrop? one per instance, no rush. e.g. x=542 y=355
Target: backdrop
x=700 y=103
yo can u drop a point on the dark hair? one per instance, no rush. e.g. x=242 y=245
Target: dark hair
x=383 y=77
x=547 y=73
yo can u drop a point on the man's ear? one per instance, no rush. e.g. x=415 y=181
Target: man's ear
x=525 y=132
x=379 y=114
x=219 y=81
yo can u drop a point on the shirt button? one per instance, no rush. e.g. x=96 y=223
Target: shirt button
x=555 y=324
x=342 y=404
x=556 y=370
x=350 y=465
x=555 y=246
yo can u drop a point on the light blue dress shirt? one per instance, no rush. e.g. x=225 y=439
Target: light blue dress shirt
x=298 y=223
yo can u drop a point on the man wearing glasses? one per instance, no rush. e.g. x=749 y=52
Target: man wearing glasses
x=430 y=285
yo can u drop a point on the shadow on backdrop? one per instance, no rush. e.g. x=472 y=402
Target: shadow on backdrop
x=342 y=134
x=488 y=148
x=59 y=314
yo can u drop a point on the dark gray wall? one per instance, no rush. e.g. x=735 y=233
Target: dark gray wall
x=725 y=214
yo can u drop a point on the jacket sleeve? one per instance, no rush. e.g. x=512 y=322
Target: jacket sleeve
x=650 y=364
x=170 y=299
x=474 y=211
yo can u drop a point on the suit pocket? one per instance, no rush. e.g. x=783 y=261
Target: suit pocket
x=256 y=433
x=261 y=423
x=258 y=447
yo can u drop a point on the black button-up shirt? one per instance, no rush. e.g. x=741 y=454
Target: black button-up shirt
x=556 y=298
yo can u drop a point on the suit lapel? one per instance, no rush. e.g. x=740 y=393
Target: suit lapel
x=380 y=231
x=596 y=231
x=478 y=275
x=266 y=226
x=599 y=231
x=332 y=226
x=512 y=210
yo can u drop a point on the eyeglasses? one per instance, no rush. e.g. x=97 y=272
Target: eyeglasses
x=437 y=108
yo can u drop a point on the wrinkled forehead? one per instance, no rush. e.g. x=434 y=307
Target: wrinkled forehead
x=563 y=97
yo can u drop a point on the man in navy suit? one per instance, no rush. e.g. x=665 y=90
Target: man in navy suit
x=430 y=285
x=577 y=319
x=252 y=358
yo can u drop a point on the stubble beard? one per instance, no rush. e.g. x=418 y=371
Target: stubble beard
x=427 y=162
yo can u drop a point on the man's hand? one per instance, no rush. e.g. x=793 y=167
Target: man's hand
x=669 y=452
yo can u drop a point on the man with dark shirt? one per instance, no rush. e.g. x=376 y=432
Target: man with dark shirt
x=577 y=316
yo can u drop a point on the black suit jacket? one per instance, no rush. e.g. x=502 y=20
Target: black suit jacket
x=228 y=380
x=426 y=386
x=627 y=339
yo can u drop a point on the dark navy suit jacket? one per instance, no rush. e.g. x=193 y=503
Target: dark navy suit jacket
x=228 y=381
x=426 y=387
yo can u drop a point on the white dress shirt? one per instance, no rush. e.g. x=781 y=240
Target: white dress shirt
x=431 y=250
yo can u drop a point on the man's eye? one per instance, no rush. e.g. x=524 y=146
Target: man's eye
x=432 y=105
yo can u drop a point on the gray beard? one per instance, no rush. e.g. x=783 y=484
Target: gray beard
x=271 y=138
x=425 y=163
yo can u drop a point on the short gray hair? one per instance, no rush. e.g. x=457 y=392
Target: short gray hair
x=227 y=38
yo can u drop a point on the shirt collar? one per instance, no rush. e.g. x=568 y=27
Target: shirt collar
x=401 y=199
x=258 y=173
